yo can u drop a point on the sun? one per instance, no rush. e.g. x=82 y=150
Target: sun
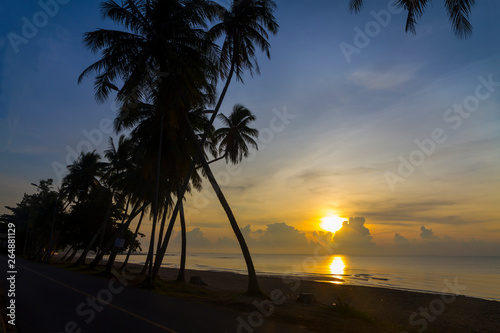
x=331 y=223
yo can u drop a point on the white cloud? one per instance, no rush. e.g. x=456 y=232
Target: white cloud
x=383 y=79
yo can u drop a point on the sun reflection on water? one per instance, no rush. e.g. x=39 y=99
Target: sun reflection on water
x=337 y=268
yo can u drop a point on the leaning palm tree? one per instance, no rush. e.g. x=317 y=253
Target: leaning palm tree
x=253 y=285
x=233 y=140
x=458 y=13
x=245 y=25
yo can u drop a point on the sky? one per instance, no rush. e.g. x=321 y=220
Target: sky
x=396 y=133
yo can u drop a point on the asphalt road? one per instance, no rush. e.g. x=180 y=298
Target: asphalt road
x=50 y=299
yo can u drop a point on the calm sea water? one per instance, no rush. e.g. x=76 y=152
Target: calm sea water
x=480 y=275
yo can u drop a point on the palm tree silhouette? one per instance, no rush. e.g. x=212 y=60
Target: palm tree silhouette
x=235 y=138
x=163 y=59
x=120 y=163
x=169 y=66
x=244 y=26
x=458 y=12
x=83 y=176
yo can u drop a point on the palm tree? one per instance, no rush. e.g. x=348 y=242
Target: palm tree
x=253 y=285
x=120 y=163
x=164 y=55
x=180 y=161
x=233 y=143
x=83 y=177
x=235 y=138
x=164 y=58
x=245 y=26
x=458 y=13
x=136 y=232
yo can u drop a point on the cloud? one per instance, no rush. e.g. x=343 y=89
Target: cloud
x=278 y=238
x=275 y=238
x=194 y=239
x=427 y=233
x=380 y=79
x=393 y=211
x=400 y=240
x=431 y=244
x=354 y=237
x=226 y=243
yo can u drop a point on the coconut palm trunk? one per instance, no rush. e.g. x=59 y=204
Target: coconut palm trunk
x=124 y=266
x=83 y=256
x=103 y=227
x=96 y=260
x=180 y=194
x=73 y=254
x=162 y=227
x=149 y=279
x=182 y=266
x=111 y=242
x=135 y=211
x=67 y=252
x=253 y=284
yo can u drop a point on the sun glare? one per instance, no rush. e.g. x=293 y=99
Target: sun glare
x=337 y=266
x=331 y=223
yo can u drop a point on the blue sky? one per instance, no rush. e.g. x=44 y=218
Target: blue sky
x=350 y=124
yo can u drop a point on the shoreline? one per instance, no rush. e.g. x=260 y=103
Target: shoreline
x=404 y=309
x=371 y=280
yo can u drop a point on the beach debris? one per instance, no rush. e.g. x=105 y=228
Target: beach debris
x=340 y=302
x=196 y=280
x=306 y=298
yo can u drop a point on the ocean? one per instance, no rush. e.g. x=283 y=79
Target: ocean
x=477 y=276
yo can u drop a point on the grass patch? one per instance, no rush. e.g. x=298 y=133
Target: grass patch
x=341 y=308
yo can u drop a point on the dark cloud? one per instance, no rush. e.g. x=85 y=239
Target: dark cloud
x=194 y=239
x=400 y=240
x=226 y=243
x=427 y=234
x=278 y=238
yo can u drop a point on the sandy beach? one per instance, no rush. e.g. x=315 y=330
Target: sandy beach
x=390 y=310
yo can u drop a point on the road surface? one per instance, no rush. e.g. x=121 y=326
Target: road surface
x=54 y=300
